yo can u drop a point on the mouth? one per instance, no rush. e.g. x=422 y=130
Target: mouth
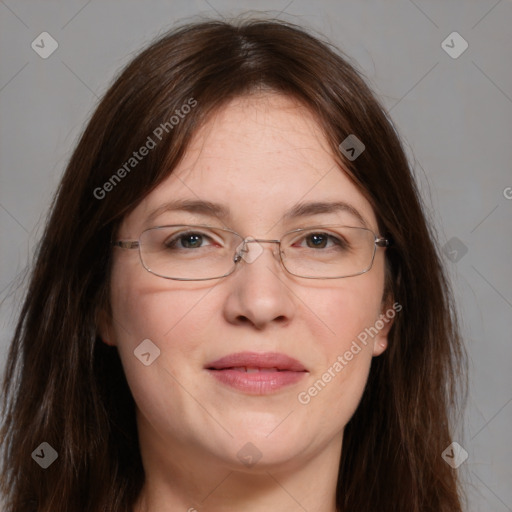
x=251 y=370
x=257 y=374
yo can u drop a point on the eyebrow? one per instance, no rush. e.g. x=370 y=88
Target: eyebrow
x=209 y=209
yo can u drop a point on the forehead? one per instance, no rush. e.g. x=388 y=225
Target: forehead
x=259 y=156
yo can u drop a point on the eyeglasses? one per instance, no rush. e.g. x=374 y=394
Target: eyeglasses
x=200 y=253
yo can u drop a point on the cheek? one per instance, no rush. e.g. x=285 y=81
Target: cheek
x=173 y=320
x=144 y=308
x=345 y=353
x=349 y=309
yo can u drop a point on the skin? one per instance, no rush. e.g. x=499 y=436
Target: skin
x=259 y=155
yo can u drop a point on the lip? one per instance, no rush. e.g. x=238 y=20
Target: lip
x=268 y=372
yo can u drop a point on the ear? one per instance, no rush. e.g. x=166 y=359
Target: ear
x=384 y=324
x=104 y=328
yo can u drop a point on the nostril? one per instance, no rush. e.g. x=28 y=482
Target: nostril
x=281 y=319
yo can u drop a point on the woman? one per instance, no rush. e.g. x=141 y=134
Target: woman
x=237 y=303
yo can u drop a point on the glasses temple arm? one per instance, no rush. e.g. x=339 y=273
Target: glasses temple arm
x=126 y=244
x=382 y=242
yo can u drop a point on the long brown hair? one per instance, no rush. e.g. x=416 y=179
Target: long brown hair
x=65 y=387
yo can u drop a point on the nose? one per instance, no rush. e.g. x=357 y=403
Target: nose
x=259 y=295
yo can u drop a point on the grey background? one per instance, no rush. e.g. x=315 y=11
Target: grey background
x=455 y=116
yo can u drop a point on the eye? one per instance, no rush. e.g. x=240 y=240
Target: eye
x=188 y=240
x=321 y=240
x=317 y=240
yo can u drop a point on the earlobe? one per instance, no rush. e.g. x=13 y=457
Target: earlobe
x=385 y=322
x=380 y=345
x=104 y=329
x=107 y=342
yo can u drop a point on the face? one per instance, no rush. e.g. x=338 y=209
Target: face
x=258 y=157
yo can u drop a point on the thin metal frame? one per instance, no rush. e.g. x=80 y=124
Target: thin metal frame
x=379 y=241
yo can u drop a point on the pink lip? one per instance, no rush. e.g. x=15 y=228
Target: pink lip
x=269 y=371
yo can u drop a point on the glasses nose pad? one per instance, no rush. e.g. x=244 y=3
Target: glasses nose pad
x=249 y=250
